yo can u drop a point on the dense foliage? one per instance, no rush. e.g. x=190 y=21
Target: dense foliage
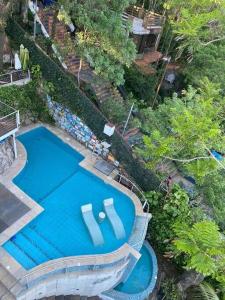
x=101 y=38
x=142 y=86
x=208 y=61
x=167 y=211
x=196 y=23
x=203 y=246
x=213 y=191
x=186 y=129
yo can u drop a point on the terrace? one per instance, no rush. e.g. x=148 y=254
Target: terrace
x=147 y=29
x=18 y=77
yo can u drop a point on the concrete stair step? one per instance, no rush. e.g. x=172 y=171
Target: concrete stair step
x=8 y=296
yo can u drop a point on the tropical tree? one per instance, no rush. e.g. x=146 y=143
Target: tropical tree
x=102 y=39
x=186 y=129
x=212 y=191
x=207 y=61
x=196 y=23
x=203 y=246
x=174 y=207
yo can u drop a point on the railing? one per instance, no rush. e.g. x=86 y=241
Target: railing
x=13 y=77
x=135 y=189
x=9 y=120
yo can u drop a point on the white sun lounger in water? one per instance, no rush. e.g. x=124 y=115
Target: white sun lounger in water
x=92 y=225
x=114 y=219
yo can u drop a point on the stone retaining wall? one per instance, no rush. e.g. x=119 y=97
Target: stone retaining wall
x=73 y=125
x=6 y=155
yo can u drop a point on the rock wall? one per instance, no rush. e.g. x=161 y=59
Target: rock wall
x=68 y=121
x=6 y=155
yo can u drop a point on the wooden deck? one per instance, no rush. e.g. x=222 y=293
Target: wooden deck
x=7 y=125
x=144 y=64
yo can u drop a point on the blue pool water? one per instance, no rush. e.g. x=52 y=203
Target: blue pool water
x=141 y=275
x=54 y=179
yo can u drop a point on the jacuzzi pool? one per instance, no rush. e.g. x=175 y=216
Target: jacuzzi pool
x=53 y=178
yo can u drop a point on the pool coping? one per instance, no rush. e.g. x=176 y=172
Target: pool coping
x=88 y=164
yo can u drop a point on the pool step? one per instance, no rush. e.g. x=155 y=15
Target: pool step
x=31 y=248
x=50 y=244
x=20 y=255
x=50 y=250
x=37 y=244
x=31 y=251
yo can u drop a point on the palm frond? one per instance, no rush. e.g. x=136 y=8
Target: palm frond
x=202 y=292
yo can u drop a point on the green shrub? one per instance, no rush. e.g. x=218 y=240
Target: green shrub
x=67 y=93
x=115 y=110
x=142 y=86
x=26 y=100
x=169 y=290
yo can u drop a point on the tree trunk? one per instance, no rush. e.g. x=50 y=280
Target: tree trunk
x=2 y=43
x=78 y=75
x=55 y=19
x=24 y=10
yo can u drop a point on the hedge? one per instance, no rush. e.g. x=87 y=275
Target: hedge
x=70 y=95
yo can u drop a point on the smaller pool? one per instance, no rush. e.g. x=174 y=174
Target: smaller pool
x=143 y=277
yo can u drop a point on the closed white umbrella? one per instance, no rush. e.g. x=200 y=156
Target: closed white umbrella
x=18 y=65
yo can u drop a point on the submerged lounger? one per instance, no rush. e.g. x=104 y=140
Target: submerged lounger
x=114 y=219
x=92 y=225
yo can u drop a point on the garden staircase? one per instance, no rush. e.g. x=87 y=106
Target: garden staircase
x=9 y=286
x=103 y=90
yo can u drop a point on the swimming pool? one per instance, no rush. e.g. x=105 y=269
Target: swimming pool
x=53 y=178
x=141 y=275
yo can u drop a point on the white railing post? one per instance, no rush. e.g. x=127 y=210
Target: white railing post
x=18 y=118
x=14 y=146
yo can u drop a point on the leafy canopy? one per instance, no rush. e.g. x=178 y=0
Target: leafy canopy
x=102 y=39
x=168 y=210
x=185 y=129
x=213 y=191
x=197 y=23
x=207 y=61
x=204 y=247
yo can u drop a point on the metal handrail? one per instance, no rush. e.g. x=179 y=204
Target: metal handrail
x=13 y=113
x=133 y=187
x=10 y=75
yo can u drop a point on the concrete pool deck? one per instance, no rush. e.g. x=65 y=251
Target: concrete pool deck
x=66 y=262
